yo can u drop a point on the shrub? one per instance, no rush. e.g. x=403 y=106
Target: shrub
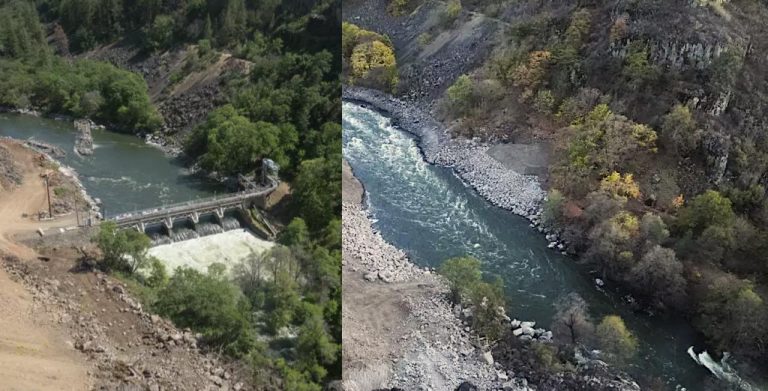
x=461 y=95
x=450 y=13
x=544 y=101
x=425 y=38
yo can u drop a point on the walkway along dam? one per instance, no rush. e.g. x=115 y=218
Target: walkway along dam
x=200 y=217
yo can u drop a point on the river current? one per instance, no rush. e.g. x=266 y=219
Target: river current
x=432 y=215
x=124 y=172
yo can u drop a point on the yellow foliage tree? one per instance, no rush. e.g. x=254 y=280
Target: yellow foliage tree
x=620 y=185
x=529 y=75
x=377 y=60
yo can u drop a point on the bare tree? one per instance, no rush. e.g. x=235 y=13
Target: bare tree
x=571 y=323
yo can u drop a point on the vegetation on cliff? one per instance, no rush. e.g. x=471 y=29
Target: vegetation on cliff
x=368 y=58
x=658 y=178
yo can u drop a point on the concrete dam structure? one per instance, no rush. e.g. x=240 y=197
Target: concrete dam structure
x=196 y=218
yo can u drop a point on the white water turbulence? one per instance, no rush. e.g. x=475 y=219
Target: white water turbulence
x=428 y=212
x=722 y=370
x=229 y=248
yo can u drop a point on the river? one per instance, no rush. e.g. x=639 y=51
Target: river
x=432 y=215
x=124 y=172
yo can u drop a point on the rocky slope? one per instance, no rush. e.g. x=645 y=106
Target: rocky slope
x=183 y=84
x=399 y=330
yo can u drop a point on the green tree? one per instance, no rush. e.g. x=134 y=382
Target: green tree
x=229 y=143
x=615 y=339
x=463 y=274
x=317 y=190
x=705 y=210
x=122 y=249
x=160 y=35
x=211 y=305
x=680 y=131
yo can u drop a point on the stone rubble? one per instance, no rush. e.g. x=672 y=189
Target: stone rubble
x=153 y=355
x=441 y=352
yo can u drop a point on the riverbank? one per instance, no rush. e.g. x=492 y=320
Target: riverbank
x=399 y=329
x=69 y=173
x=469 y=158
x=169 y=146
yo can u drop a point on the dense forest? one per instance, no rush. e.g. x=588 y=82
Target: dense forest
x=286 y=108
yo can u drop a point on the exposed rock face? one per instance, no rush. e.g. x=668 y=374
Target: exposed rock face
x=424 y=76
x=716 y=147
x=84 y=140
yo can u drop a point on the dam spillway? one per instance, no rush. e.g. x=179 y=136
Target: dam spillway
x=193 y=219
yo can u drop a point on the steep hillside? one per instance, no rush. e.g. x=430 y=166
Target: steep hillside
x=655 y=113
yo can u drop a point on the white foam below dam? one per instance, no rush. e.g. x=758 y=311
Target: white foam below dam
x=228 y=248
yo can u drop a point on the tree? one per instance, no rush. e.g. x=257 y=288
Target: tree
x=653 y=229
x=463 y=274
x=233 y=23
x=160 y=35
x=229 y=143
x=659 y=275
x=571 y=323
x=705 y=210
x=314 y=346
x=623 y=186
x=605 y=142
x=732 y=315
x=530 y=75
x=613 y=243
x=122 y=249
x=295 y=233
x=553 y=207
x=210 y=305
x=615 y=339
x=637 y=70
x=317 y=191
x=679 y=130
x=375 y=63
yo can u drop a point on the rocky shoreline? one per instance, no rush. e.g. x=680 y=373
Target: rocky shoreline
x=84 y=142
x=46 y=150
x=442 y=343
x=502 y=187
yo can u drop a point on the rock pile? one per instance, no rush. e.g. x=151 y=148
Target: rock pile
x=10 y=175
x=129 y=347
x=378 y=260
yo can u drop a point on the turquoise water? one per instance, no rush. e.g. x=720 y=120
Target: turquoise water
x=124 y=172
x=428 y=212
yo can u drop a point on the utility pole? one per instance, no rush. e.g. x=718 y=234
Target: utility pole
x=48 y=190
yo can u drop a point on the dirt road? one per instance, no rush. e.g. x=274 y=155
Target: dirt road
x=35 y=354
